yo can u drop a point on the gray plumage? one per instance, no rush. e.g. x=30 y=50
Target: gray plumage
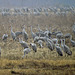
x=55 y=33
x=25 y=35
x=58 y=49
x=47 y=33
x=41 y=32
x=74 y=31
x=55 y=40
x=39 y=38
x=58 y=32
x=18 y=33
x=26 y=51
x=40 y=43
x=42 y=38
x=32 y=33
x=59 y=35
x=23 y=43
x=67 y=35
x=65 y=48
x=37 y=33
x=72 y=42
x=36 y=39
x=73 y=28
x=13 y=34
x=5 y=36
x=39 y=29
x=34 y=47
x=50 y=44
x=50 y=33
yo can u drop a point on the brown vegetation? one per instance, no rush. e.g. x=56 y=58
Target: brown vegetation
x=44 y=62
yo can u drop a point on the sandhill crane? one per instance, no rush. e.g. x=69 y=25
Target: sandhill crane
x=36 y=39
x=58 y=49
x=54 y=40
x=41 y=33
x=57 y=32
x=39 y=29
x=25 y=35
x=65 y=48
x=50 y=44
x=23 y=43
x=32 y=33
x=39 y=38
x=17 y=33
x=67 y=35
x=4 y=37
x=73 y=28
x=34 y=47
x=47 y=33
x=74 y=31
x=37 y=33
x=40 y=43
x=13 y=34
x=42 y=38
x=59 y=35
x=26 y=51
x=50 y=33
x=72 y=42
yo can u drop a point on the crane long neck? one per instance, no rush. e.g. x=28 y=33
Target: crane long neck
x=56 y=42
x=40 y=44
x=23 y=29
x=64 y=41
x=11 y=28
x=24 y=26
x=71 y=37
x=61 y=42
x=46 y=28
x=20 y=40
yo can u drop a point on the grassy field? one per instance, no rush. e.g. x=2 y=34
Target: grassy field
x=37 y=67
x=44 y=62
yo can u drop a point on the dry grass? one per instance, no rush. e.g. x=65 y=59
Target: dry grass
x=37 y=67
x=44 y=62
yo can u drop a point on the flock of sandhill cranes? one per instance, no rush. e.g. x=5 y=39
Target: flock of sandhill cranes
x=41 y=37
